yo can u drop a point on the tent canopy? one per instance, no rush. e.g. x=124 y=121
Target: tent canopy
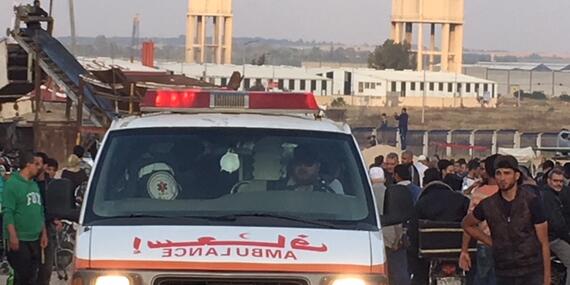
x=523 y=155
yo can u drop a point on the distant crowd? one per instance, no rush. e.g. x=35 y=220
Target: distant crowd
x=518 y=219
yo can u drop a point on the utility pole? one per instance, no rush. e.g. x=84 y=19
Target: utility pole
x=50 y=7
x=455 y=91
x=424 y=99
x=72 y=26
x=245 y=45
x=553 y=83
x=530 y=82
x=135 y=36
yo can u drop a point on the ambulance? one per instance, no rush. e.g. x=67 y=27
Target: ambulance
x=218 y=187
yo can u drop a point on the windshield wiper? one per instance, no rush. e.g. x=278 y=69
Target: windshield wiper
x=135 y=215
x=150 y=216
x=234 y=217
x=282 y=217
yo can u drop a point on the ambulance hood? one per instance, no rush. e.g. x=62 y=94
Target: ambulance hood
x=222 y=248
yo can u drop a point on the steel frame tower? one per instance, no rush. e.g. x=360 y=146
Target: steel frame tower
x=197 y=47
x=447 y=14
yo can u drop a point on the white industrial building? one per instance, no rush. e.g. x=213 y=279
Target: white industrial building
x=325 y=81
x=342 y=81
x=407 y=83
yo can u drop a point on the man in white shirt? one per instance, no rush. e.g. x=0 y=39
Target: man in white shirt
x=421 y=166
x=378 y=179
x=474 y=167
x=377 y=175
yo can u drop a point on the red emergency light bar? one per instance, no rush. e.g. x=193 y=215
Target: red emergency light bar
x=200 y=99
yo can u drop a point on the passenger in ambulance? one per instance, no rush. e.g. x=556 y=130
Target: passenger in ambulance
x=305 y=173
x=332 y=171
x=203 y=178
x=156 y=158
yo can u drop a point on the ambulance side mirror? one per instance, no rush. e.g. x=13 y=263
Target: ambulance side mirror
x=60 y=200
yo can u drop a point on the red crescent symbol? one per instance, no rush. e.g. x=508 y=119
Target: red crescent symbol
x=244 y=236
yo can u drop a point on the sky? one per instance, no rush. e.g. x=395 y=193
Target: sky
x=513 y=25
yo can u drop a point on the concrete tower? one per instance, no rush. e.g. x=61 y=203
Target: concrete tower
x=201 y=13
x=443 y=16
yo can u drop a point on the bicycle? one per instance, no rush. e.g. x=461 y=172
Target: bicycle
x=64 y=251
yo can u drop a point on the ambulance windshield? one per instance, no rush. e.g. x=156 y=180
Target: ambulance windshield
x=220 y=172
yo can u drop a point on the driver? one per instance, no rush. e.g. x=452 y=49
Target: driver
x=305 y=172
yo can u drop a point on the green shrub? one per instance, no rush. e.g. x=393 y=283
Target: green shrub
x=338 y=102
x=536 y=95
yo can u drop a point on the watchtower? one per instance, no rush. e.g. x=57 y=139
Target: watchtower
x=443 y=16
x=203 y=44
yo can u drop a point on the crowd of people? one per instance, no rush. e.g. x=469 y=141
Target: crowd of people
x=517 y=219
x=29 y=232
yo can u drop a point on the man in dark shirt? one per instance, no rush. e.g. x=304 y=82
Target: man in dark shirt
x=437 y=202
x=43 y=179
x=518 y=227
x=36 y=11
x=541 y=177
x=447 y=170
x=558 y=230
x=408 y=159
x=564 y=196
x=403 y=177
x=403 y=127
x=398 y=207
x=383 y=129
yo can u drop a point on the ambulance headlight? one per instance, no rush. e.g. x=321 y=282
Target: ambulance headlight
x=349 y=281
x=112 y=280
x=356 y=280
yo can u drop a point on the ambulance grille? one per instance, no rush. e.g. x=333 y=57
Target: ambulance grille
x=194 y=281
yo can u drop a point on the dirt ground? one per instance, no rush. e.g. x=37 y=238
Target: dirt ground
x=532 y=116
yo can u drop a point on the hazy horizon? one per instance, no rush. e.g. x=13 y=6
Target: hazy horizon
x=510 y=25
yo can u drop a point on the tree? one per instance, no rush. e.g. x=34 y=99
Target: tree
x=506 y=58
x=338 y=102
x=391 y=55
x=259 y=60
x=101 y=46
x=534 y=56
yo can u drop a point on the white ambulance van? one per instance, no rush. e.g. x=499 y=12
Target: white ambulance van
x=216 y=187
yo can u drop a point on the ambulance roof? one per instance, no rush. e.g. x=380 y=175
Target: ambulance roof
x=230 y=120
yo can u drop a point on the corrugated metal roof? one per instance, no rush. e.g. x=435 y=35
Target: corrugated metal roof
x=105 y=63
x=251 y=71
x=409 y=75
x=430 y=76
x=278 y=72
x=527 y=66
